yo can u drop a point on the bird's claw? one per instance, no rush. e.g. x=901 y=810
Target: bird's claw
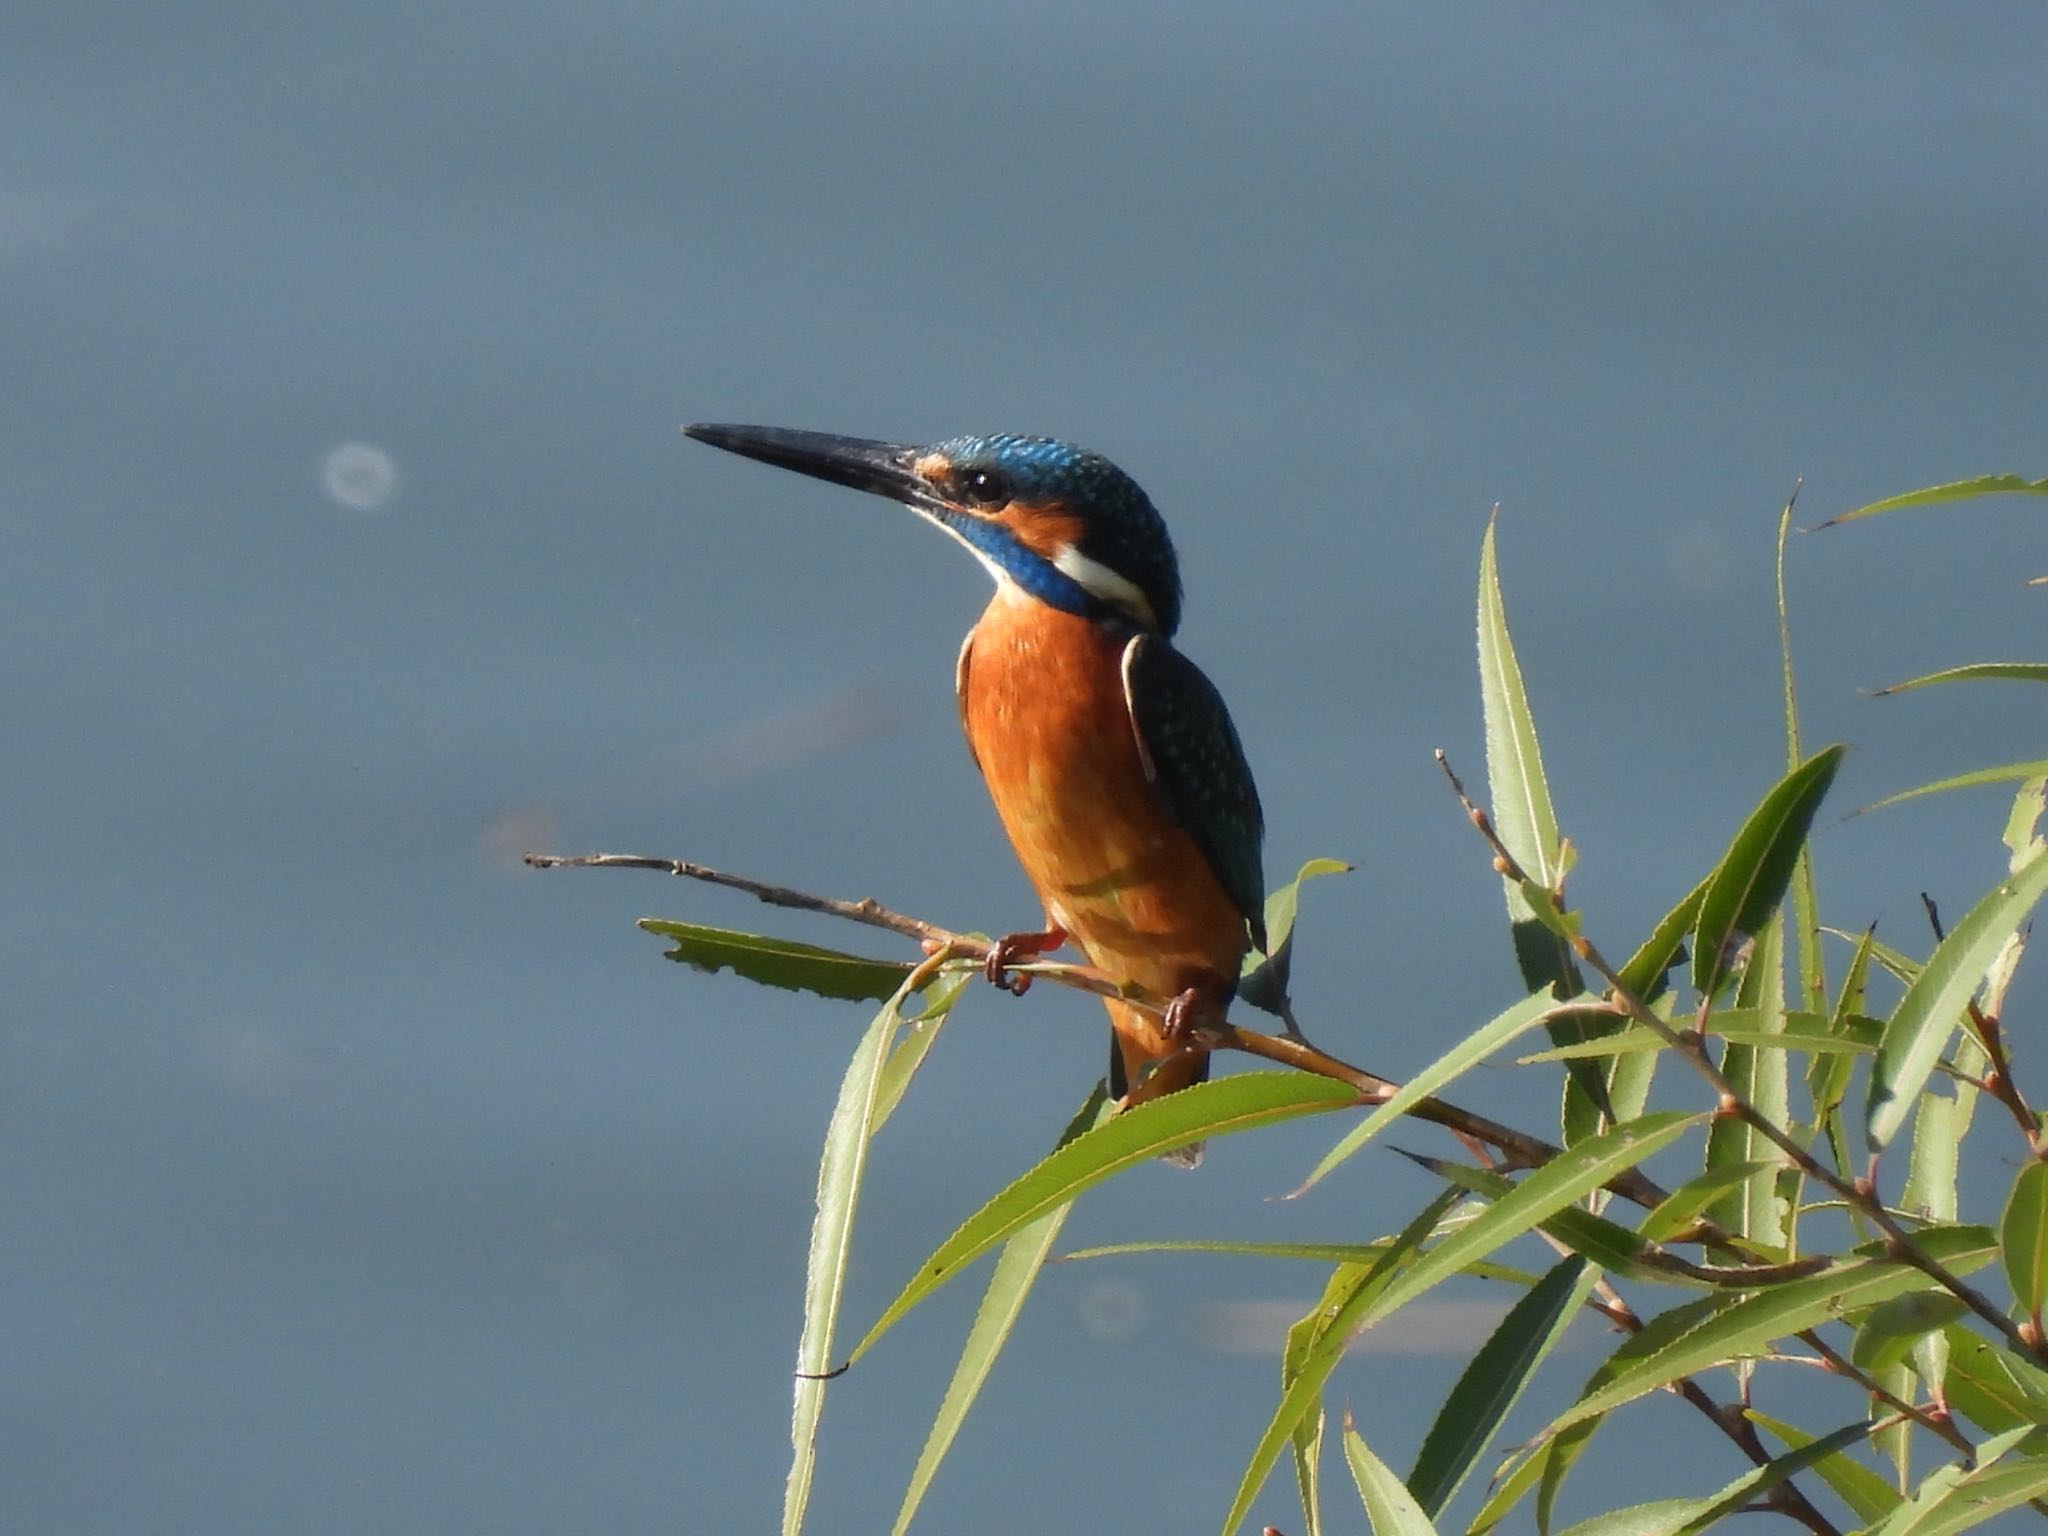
x=1011 y=948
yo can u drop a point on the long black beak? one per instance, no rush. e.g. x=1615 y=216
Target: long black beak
x=884 y=469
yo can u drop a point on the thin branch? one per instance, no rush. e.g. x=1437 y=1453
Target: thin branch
x=1860 y=1193
x=1519 y=1150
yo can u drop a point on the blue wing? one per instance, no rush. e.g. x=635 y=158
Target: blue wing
x=1197 y=766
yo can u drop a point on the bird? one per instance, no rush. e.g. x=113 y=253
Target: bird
x=1111 y=758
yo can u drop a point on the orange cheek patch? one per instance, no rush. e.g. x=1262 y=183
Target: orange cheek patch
x=931 y=468
x=1044 y=530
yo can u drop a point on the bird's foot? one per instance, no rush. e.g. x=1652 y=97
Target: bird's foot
x=1185 y=1012
x=1011 y=948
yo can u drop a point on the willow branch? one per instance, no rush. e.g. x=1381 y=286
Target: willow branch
x=1519 y=1149
x=1861 y=1193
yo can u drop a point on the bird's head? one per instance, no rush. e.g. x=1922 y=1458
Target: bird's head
x=1057 y=522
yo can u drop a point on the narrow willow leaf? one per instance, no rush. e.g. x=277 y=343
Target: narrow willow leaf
x=1647 y=967
x=1894 y=1442
x=1870 y=1496
x=1467 y=1053
x=1828 y=1081
x=2023 y=671
x=1937 y=1149
x=1516 y=784
x=1887 y=1334
x=1308 y=1434
x=1325 y=1253
x=1857 y=1035
x=1207 y=1110
x=1263 y=979
x=1953 y=1499
x=1954 y=490
x=1752 y=876
x=1493 y=1381
x=1690 y=1198
x=2027 y=808
x=1568 y=1445
x=1388 y=1504
x=1350 y=1294
x=1509 y=1490
x=781 y=962
x=1990 y=1385
x=1608 y=1244
x=1813 y=985
x=1755 y=1209
x=1750 y=1326
x=2009 y=773
x=2023 y=1235
x=1926 y=1016
x=839 y=1179
x=919 y=1036
x=1683 y=1517
x=1760 y=1480
x=1009 y=1282
x=1538 y=1196
x=1659 y=1517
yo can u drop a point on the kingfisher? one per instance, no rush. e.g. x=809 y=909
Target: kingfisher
x=1111 y=759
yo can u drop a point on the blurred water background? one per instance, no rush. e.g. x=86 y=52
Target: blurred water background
x=359 y=1179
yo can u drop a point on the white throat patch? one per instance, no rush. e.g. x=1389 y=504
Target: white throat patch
x=1100 y=581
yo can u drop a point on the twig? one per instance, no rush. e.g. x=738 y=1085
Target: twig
x=1519 y=1150
x=1860 y=1193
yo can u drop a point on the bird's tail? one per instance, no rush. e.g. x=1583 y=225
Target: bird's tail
x=1140 y=1056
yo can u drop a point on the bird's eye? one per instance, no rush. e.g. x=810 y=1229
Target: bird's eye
x=984 y=488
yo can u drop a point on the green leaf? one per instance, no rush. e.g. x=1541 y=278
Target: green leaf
x=1219 y=1108
x=1494 y=1379
x=1870 y=1496
x=1682 y=1517
x=1644 y=974
x=1009 y=1282
x=1690 y=1198
x=1388 y=1504
x=2009 y=773
x=1659 y=1517
x=2027 y=809
x=1263 y=980
x=1540 y=1195
x=1991 y=1386
x=1324 y=1253
x=1608 y=1244
x=1937 y=1148
x=1467 y=1053
x=2024 y=671
x=1351 y=1292
x=1828 y=1080
x=1510 y=1489
x=919 y=1036
x=781 y=962
x=1885 y=1338
x=1953 y=1498
x=1756 y=1209
x=1807 y=1032
x=1308 y=1434
x=1813 y=985
x=1516 y=785
x=840 y=1172
x=1954 y=490
x=1927 y=1015
x=1566 y=1447
x=2023 y=1234
x=1752 y=876
x=1750 y=1326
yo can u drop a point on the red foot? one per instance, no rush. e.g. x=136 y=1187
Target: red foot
x=1183 y=1012
x=1011 y=948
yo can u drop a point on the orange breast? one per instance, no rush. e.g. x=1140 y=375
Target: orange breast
x=1043 y=705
